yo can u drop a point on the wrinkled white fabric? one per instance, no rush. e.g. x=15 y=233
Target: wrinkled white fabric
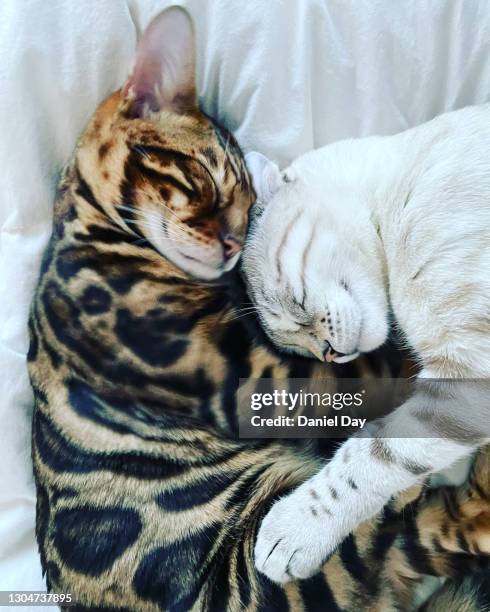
x=284 y=75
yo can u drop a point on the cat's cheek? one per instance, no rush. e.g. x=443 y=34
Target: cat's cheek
x=374 y=330
x=373 y=340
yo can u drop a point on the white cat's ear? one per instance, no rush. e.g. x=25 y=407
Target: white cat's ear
x=265 y=174
x=163 y=74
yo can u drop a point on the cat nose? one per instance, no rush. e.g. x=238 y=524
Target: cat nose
x=231 y=247
x=329 y=354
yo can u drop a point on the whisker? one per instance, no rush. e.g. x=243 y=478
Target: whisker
x=176 y=231
x=142 y=213
x=175 y=227
x=131 y=209
x=173 y=231
x=141 y=150
x=154 y=224
x=171 y=211
x=243 y=316
x=243 y=310
x=121 y=226
x=182 y=237
x=177 y=239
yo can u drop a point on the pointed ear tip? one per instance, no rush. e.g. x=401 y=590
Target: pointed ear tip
x=175 y=15
x=251 y=155
x=257 y=162
x=177 y=10
x=165 y=58
x=171 y=28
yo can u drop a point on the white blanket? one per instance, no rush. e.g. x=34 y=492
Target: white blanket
x=285 y=75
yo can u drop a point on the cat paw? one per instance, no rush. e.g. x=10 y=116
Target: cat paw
x=294 y=540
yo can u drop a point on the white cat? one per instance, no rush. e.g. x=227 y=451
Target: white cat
x=351 y=233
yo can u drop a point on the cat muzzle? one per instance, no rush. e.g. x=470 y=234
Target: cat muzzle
x=331 y=355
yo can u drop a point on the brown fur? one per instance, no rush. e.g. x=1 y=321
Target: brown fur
x=146 y=499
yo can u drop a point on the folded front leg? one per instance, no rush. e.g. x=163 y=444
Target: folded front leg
x=302 y=529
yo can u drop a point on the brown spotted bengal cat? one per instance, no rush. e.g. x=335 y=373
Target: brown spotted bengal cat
x=146 y=499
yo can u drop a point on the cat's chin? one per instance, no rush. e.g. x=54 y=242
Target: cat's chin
x=199 y=263
x=375 y=334
x=197 y=269
x=346 y=358
x=200 y=269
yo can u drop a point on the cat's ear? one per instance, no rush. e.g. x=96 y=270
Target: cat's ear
x=163 y=74
x=265 y=174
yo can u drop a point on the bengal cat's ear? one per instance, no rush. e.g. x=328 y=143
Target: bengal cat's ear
x=163 y=75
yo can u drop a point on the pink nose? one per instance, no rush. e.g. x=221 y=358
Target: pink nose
x=330 y=354
x=231 y=247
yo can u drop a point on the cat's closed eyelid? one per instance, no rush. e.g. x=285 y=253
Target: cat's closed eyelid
x=298 y=328
x=299 y=304
x=302 y=324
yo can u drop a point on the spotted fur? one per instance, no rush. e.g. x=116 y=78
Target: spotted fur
x=146 y=499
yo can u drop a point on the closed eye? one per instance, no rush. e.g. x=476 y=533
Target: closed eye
x=270 y=311
x=299 y=304
x=297 y=326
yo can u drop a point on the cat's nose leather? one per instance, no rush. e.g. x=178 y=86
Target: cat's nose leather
x=230 y=247
x=330 y=354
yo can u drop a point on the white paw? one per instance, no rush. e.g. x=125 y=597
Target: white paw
x=295 y=538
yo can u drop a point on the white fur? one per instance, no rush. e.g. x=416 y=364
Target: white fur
x=403 y=222
x=266 y=174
